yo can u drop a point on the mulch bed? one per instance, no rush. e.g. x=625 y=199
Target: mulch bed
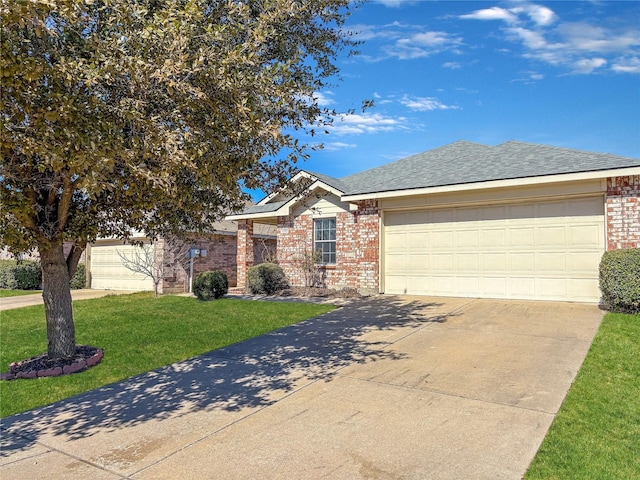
x=318 y=292
x=42 y=366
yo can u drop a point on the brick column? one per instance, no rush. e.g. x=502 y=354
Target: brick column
x=623 y=212
x=244 y=258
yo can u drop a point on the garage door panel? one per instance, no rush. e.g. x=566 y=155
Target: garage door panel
x=493 y=262
x=550 y=236
x=537 y=250
x=419 y=240
x=585 y=236
x=396 y=262
x=396 y=241
x=522 y=263
x=467 y=262
x=550 y=262
x=441 y=239
x=466 y=238
x=493 y=238
x=583 y=263
x=442 y=262
x=521 y=237
x=108 y=272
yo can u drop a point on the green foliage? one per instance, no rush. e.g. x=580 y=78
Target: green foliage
x=596 y=433
x=239 y=76
x=20 y=275
x=266 y=278
x=620 y=280
x=79 y=278
x=138 y=333
x=211 y=285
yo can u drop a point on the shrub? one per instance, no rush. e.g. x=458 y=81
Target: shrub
x=266 y=278
x=620 y=280
x=211 y=285
x=79 y=279
x=20 y=275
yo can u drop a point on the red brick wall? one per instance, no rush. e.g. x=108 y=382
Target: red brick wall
x=221 y=255
x=357 y=251
x=623 y=212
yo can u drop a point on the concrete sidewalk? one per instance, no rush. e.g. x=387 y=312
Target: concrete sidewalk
x=386 y=387
x=8 y=303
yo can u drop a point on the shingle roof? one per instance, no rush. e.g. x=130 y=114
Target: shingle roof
x=465 y=162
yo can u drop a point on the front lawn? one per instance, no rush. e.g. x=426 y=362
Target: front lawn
x=137 y=333
x=15 y=293
x=596 y=434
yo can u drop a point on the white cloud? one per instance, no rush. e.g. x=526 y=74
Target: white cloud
x=579 y=47
x=323 y=99
x=335 y=146
x=626 y=65
x=493 y=13
x=588 y=65
x=540 y=15
x=424 y=104
x=395 y=3
x=590 y=38
x=452 y=65
x=358 y=124
x=422 y=44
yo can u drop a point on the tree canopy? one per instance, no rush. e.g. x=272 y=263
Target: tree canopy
x=151 y=115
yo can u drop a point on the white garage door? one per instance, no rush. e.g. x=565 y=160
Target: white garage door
x=107 y=271
x=545 y=250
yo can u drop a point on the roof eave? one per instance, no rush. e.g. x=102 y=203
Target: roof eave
x=516 y=182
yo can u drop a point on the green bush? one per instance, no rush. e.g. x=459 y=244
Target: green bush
x=266 y=278
x=620 y=280
x=79 y=279
x=20 y=275
x=211 y=285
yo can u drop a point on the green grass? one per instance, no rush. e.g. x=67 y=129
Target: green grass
x=15 y=293
x=137 y=333
x=596 y=434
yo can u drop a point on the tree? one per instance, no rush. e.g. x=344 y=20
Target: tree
x=147 y=261
x=150 y=115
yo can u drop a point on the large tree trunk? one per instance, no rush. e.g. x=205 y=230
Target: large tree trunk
x=57 y=301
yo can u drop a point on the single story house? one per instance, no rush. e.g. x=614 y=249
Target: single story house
x=106 y=270
x=515 y=221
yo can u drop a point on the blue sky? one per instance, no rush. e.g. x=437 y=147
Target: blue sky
x=558 y=73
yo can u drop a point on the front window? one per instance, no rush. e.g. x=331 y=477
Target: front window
x=325 y=240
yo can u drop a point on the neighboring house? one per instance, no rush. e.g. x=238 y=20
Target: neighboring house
x=516 y=220
x=106 y=270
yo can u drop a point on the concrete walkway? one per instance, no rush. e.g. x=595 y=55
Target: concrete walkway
x=383 y=388
x=8 y=303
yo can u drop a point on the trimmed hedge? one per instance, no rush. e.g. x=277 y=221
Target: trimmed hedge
x=620 y=280
x=211 y=285
x=20 y=275
x=266 y=278
x=79 y=278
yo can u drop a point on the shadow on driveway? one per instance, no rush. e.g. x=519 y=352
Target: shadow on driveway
x=251 y=374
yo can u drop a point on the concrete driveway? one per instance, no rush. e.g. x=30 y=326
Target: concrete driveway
x=383 y=388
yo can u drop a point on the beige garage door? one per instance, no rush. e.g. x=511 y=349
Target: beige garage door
x=544 y=250
x=107 y=271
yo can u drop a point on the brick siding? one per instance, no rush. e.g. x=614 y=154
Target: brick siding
x=357 y=251
x=623 y=212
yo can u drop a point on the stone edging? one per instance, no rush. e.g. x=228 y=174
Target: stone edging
x=54 y=372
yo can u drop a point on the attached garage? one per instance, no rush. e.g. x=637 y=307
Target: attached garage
x=107 y=271
x=542 y=250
